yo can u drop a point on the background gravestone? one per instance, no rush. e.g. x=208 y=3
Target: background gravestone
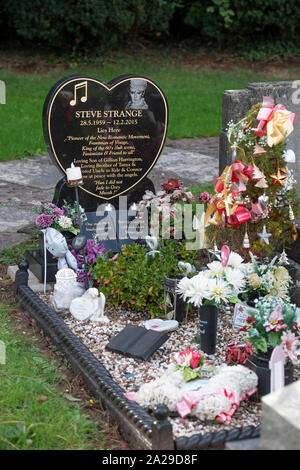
x=115 y=132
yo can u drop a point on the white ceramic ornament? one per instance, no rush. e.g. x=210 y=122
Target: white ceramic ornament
x=161 y=325
x=89 y=307
x=151 y=242
x=65 y=290
x=289 y=156
x=186 y=268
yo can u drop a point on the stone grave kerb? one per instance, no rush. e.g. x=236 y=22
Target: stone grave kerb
x=236 y=104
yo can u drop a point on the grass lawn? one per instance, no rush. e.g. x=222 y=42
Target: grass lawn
x=194 y=97
x=34 y=414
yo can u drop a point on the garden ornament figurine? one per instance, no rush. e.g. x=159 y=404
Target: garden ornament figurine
x=65 y=290
x=56 y=243
x=90 y=306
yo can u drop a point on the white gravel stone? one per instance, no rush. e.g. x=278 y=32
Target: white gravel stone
x=130 y=373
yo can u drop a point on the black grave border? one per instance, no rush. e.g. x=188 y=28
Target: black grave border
x=137 y=427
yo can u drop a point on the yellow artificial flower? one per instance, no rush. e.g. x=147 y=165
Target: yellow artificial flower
x=254 y=280
x=281 y=274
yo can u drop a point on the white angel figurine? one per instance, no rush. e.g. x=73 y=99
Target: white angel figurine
x=90 y=306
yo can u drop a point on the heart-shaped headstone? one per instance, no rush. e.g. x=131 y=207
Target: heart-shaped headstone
x=114 y=132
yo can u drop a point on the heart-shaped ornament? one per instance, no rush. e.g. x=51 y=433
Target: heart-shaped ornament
x=114 y=132
x=161 y=325
x=225 y=252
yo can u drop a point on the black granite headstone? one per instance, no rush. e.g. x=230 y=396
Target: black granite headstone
x=115 y=132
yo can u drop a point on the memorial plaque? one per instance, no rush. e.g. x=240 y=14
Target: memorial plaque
x=114 y=132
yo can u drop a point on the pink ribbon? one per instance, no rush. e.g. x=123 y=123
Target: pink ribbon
x=241 y=174
x=189 y=400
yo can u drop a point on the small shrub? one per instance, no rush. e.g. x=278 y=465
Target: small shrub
x=136 y=283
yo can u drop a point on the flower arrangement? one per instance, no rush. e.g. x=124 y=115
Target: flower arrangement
x=165 y=201
x=190 y=362
x=255 y=198
x=218 y=284
x=273 y=323
x=238 y=353
x=265 y=280
x=64 y=219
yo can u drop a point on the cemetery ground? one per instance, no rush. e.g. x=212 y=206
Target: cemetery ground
x=39 y=370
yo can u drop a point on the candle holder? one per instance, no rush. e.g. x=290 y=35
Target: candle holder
x=74 y=179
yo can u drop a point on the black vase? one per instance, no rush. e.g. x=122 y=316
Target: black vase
x=173 y=302
x=208 y=321
x=259 y=363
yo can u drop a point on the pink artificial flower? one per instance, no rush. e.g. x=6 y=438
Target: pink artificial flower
x=275 y=321
x=188 y=358
x=57 y=212
x=289 y=344
x=204 y=197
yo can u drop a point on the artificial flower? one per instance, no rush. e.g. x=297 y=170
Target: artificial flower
x=289 y=344
x=215 y=268
x=235 y=260
x=188 y=358
x=220 y=291
x=44 y=220
x=275 y=321
x=235 y=277
x=172 y=184
x=254 y=280
x=65 y=222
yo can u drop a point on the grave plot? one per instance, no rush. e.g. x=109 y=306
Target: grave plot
x=239 y=341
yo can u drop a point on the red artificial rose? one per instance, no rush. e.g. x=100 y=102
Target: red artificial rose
x=171 y=185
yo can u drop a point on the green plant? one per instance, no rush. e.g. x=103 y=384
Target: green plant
x=11 y=256
x=135 y=282
x=85 y=23
x=244 y=23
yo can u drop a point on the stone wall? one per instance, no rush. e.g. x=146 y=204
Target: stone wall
x=236 y=103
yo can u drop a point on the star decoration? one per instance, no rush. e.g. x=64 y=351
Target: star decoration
x=264 y=236
x=279 y=177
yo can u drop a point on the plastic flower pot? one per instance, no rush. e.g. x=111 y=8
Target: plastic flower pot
x=208 y=321
x=174 y=305
x=259 y=363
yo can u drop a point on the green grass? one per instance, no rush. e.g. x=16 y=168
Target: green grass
x=194 y=97
x=26 y=421
x=11 y=256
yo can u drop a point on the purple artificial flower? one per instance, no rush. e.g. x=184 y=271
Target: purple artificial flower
x=92 y=250
x=44 y=220
x=57 y=212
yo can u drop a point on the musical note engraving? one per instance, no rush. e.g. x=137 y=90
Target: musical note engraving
x=84 y=97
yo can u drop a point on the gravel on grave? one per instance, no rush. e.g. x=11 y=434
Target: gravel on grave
x=130 y=373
